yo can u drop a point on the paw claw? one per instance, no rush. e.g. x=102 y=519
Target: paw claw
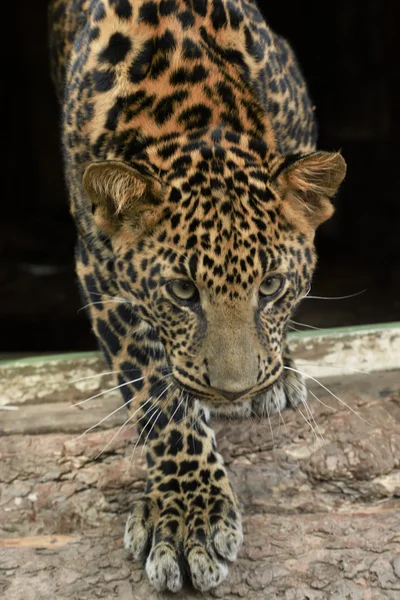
x=138 y=529
x=207 y=571
x=228 y=544
x=163 y=570
x=136 y=537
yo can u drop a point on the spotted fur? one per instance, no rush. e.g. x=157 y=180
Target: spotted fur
x=189 y=142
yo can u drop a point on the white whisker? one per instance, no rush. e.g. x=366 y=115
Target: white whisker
x=159 y=412
x=308 y=410
x=323 y=403
x=102 y=420
x=151 y=429
x=252 y=424
x=93 y=376
x=329 y=392
x=308 y=423
x=312 y=394
x=108 y=296
x=103 y=302
x=259 y=417
x=153 y=406
x=298 y=361
x=310 y=413
x=197 y=420
x=335 y=297
x=117 y=387
x=114 y=373
x=270 y=425
x=122 y=426
x=186 y=406
x=281 y=417
x=304 y=325
x=175 y=411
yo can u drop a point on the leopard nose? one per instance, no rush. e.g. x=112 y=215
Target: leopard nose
x=232 y=396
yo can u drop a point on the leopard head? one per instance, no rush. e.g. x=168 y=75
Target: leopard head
x=215 y=253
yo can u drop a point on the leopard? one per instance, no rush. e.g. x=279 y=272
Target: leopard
x=189 y=142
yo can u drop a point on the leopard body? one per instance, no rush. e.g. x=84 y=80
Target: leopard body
x=189 y=142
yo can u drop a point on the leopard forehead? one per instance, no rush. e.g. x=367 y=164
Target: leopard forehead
x=224 y=246
x=218 y=202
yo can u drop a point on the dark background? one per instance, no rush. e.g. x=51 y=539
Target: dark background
x=349 y=56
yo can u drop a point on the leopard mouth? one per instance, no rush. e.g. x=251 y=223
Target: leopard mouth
x=215 y=399
x=194 y=392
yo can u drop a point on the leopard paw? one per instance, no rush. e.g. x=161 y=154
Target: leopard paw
x=175 y=537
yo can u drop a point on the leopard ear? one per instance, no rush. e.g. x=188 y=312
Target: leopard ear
x=121 y=194
x=308 y=183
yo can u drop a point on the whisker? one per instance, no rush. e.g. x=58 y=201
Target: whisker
x=323 y=403
x=305 y=325
x=144 y=427
x=151 y=429
x=93 y=376
x=295 y=328
x=159 y=412
x=186 y=408
x=335 y=297
x=175 y=411
x=118 y=371
x=308 y=410
x=186 y=415
x=252 y=423
x=153 y=406
x=312 y=394
x=121 y=428
x=134 y=424
x=103 y=302
x=281 y=418
x=329 y=392
x=103 y=419
x=193 y=423
x=309 y=423
x=270 y=425
x=259 y=417
x=108 y=296
x=335 y=366
x=117 y=387
x=310 y=413
x=159 y=368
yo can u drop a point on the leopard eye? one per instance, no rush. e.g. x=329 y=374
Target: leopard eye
x=183 y=289
x=271 y=286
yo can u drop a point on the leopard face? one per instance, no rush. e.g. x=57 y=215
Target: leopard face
x=214 y=266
